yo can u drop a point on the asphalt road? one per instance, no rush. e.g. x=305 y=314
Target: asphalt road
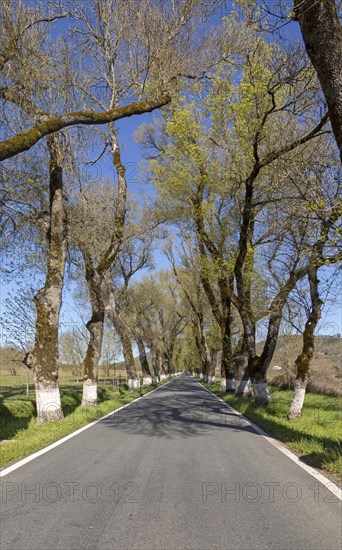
x=176 y=470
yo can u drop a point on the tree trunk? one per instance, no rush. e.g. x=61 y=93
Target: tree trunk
x=132 y=374
x=96 y=278
x=321 y=31
x=160 y=362
x=155 y=365
x=166 y=364
x=257 y=373
x=92 y=358
x=44 y=357
x=242 y=385
x=258 y=366
x=241 y=359
x=227 y=370
x=201 y=345
x=244 y=265
x=145 y=368
x=121 y=329
x=303 y=360
x=95 y=328
x=214 y=354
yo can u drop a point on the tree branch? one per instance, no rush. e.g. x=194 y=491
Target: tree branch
x=300 y=141
x=23 y=142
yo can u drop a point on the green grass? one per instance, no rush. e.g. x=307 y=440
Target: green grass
x=24 y=436
x=316 y=436
x=9 y=382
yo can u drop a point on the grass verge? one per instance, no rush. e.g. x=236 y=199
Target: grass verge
x=21 y=435
x=316 y=437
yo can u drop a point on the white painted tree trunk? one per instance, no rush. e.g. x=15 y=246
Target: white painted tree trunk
x=163 y=377
x=211 y=379
x=133 y=384
x=243 y=389
x=48 y=403
x=200 y=375
x=297 y=403
x=230 y=384
x=89 y=398
x=43 y=359
x=227 y=384
x=262 y=395
x=155 y=379
x=147 y=380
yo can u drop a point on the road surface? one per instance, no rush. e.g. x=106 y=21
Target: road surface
x=176 y=470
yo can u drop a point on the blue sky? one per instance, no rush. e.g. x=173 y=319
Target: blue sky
x=132 y=155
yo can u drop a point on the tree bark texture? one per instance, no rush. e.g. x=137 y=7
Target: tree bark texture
x=322 y=35
x=303 y=360
x=44 y=357
x=155 y=367
x=23 y=142
x=258 y=365
x=96 y=279
x=95 y=327
x=124 y=335
x=145 y=367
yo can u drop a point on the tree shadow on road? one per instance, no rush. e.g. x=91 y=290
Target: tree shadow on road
x=181 y=409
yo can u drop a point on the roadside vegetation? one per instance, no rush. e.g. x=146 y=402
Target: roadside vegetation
x=236 y=132
x=21 y=435
x=315 y=436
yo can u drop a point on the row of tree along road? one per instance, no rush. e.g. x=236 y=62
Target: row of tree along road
x=242 y=156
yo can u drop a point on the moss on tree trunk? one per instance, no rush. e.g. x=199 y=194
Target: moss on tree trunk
x=44 y=357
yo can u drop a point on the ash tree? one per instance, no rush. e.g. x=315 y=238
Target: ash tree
x=135 y=255
x=320 y=27
x=48 y=87
x=219 y=172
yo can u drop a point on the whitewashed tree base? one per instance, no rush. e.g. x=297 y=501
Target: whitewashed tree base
x=147 y=381
x=133 y=384
x=230 y=384
x=227 y=384
x=243 y=388
x=163 y=377
x=89 y=398
x=155 y=379
x=200 y=375
x=211 y=379
x=297 y=403
x=261 y=392
x=49 y=406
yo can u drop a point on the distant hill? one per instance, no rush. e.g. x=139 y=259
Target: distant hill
x=11 y=358
x=326 y=366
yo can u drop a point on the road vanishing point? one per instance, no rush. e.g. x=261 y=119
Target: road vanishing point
x=175 y=470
